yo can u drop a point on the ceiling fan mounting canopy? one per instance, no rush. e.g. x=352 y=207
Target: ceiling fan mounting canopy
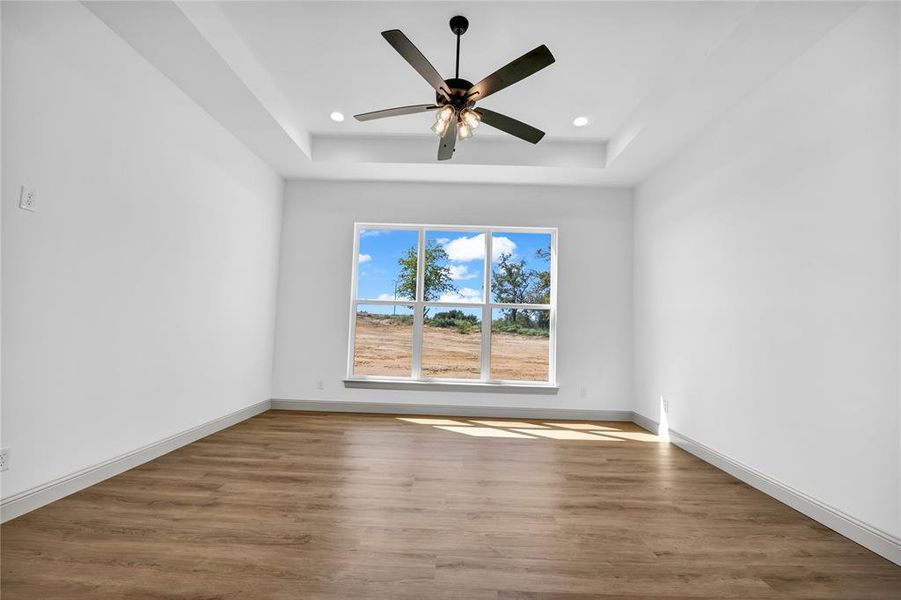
x=459 y=25
x=455 y=98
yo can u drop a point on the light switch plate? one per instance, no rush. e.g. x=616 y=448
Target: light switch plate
x=27 y=199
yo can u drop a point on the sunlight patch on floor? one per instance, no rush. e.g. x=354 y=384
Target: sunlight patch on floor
x=484 y=432
x=424 y=421
x=583 y=426
x=562 y=434
x=511 y=424
x=567 y=430
x=636 y=436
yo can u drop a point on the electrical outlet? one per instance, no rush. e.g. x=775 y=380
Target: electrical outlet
x=27 y=199
x=583 y=392
x=319 y=385
x=4 y=459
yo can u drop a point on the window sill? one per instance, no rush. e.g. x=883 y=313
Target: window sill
x=453 y=386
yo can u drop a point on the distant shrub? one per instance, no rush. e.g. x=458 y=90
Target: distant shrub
x=455 y=319
x=402 y=319
x=519 y=327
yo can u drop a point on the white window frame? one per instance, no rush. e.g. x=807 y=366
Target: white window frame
x=487 y=306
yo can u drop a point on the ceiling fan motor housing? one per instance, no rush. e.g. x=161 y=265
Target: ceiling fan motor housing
x=458 y=89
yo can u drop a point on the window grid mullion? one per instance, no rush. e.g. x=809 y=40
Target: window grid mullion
x=521 y=306
x=486 y=311
x=352 y=322
x=552 y=346
x=418 y=311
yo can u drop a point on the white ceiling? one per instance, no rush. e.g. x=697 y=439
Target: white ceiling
x=650 y=76
x=330 y=56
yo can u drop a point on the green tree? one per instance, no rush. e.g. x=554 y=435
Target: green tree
x=511 y=283
x=541 y=292
x=437 y=277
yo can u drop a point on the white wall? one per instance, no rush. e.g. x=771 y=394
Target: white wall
x=594 y=293
x=767 y=276
x=898 y=46
x=139 y=300
x=1 y=234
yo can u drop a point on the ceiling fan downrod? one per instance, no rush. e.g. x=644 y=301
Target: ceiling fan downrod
x=458 y=25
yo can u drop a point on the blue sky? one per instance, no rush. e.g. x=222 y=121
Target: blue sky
x=380 y=250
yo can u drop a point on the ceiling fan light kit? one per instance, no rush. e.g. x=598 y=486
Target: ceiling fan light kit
x=455 y=98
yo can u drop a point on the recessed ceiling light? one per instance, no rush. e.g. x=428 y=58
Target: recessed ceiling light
x=336 y=116
x=580 y=121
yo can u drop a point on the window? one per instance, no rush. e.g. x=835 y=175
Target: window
x=453 y=304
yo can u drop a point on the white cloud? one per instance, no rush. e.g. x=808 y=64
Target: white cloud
x=465 y=249
x=463 y=295
x=461 y=273
x=502 y=245
x=365 y=258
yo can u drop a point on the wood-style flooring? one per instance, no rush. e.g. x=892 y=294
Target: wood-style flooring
x=292 y=505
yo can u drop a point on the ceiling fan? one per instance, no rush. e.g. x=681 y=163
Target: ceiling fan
x=456 y=98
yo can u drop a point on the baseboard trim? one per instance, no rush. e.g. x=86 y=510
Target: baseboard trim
x=36 y=497
x=397 y=408
x=644 y=422
x=873 y=538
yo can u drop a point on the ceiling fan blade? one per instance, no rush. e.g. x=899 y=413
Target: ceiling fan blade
x=395 y=112
x=417 y=60
x=510 y=125
x=448 y=140
x=527 y=64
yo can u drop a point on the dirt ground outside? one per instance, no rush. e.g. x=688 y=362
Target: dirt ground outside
x=385 y=347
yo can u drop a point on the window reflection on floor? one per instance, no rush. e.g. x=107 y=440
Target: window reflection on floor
x=483 y=431
x=426 y=421
x=583 y=426
x=511 y=424
x=568 y=431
